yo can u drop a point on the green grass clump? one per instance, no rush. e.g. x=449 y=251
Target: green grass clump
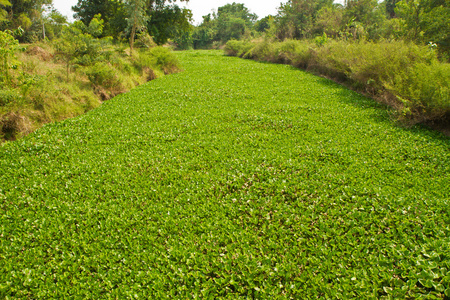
x=232 y=180
x=404 y=75
x=237 y=48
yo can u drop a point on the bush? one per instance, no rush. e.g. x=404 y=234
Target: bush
x=144 y=40
x=424 y=90
x=263 y=51
x=102 y=75
x=164 y=59
x=237 y=48
x=35 y=86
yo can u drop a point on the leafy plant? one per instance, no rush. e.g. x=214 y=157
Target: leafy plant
x=231 y=180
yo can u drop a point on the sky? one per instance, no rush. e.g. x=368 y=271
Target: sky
x=199 y=8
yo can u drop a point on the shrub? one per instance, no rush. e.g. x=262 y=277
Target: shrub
x=102 y=74
x=164 y=59
x=237 y=48
x=264 y=51
x=294 y=52
x=107 y=83
x=144 y=40
x=8 y=46
x=424 y=90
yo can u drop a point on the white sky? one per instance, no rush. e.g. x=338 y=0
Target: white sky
x=199 y=8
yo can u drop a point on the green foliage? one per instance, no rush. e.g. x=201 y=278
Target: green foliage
x=232 y=22
x=36 y=87
x=112 y=11
x=164 y=59
x=367 y=14
x=424 y=90
x=162 y=19
x=203 y=35
x=3 y=12
x=321 y=40
x=330 y=20
x=169 y=22
x=136 y=19
x=296 y=19
x=184 y=41
x=29 y=15
x=237 y=48
x=144 y=40
x=104 y=75
x=426 y=21
x=8 y=96
x=79 y=44
x=264 y=24
x=232 y=180
x=8 y=46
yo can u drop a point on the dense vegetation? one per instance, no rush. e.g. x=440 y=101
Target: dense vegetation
x=47 y=82
x=162 y=19
x=420 y=21
x=397 y=51
x=231 y=180
x=68 y=68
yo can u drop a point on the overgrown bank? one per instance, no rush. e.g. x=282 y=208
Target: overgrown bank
x=404 y=75
x=46 y=82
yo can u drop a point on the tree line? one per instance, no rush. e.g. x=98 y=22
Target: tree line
x=420 y=21
x=122 y=20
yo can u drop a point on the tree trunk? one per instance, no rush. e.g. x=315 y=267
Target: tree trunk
x=133 y=32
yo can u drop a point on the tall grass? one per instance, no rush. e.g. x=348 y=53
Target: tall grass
x=41 y=91
x=404 y=75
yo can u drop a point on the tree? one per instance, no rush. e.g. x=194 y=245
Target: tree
x=367 y=14
x=3 y=12
x=55 y=22
x=390 y=7
x=233 y=21
x=8 y=48
x=163 y=20
x=136 y=18
x=238 y=11
x=203 y=35
x=296 y=19
x=330 y=20
x=264 y=24
x=426 y=21
x=168 y=22
x=113 y=13
x=26 y=14
x=79 y=44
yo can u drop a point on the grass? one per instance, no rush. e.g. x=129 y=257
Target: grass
x=232 y=180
